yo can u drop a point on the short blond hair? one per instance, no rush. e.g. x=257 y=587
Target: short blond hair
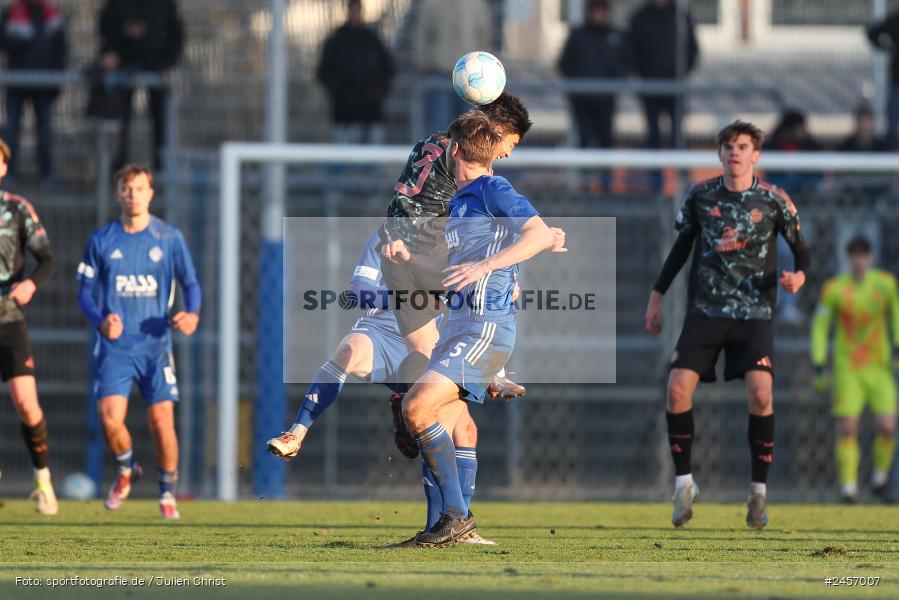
x=476 y=136
x=129 y=172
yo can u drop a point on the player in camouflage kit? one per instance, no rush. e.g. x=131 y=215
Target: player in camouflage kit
x=731 y=224
x=415 y=220
x=858 y=303
x=21 y=230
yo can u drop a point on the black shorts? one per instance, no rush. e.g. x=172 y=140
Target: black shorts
x=403 y=282
x=747 y=346
x=15 y=351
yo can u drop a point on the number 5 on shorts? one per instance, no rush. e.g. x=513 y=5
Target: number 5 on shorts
x=458 y=349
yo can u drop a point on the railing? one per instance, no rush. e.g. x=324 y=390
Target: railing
x=113 y=80
x=642 y=87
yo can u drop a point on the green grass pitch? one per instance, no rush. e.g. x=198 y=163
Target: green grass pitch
x=324 y=550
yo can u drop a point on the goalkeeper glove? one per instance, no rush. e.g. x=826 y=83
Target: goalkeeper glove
x=822 y=379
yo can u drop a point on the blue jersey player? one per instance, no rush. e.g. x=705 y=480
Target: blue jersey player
x=127 y=278
x=491 y=228
x=415 y=221
x=373 y=351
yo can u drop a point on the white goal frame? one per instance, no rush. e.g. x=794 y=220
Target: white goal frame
x=233 y=155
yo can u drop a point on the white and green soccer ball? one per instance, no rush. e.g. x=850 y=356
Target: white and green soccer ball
x=479 y=77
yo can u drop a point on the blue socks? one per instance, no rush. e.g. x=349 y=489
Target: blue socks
x=467 y=465
x=433 y=495
x=438 y=452
x=167 y=480
x=125 y=460
x=322 y=392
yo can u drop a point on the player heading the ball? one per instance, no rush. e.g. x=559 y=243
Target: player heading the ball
x=490 y=229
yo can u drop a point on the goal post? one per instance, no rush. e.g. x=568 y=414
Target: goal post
x=234 y=155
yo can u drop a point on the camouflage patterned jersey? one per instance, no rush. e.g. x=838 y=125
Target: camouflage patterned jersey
x=422 y=193
x=20 y=229
x=734 y=272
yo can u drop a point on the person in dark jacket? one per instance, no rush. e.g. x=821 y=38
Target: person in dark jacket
x=885 y=35
x=596 y=50
x=33 y=36
x=141 y=35
x=864 y=138
x=792 y=134
x=356 y=69
x=656 y=30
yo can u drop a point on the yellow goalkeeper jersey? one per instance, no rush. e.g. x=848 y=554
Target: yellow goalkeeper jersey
x=860 y=309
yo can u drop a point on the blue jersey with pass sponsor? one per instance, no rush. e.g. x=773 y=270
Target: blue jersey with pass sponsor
x=134 y=275
x=484 y=217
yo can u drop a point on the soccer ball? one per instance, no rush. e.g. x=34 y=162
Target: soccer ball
x=79 y=486
x=479 y=77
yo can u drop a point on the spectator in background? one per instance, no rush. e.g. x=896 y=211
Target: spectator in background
x=885 y=35
x=443 y=33
x=33 y=36
x=356 y=69
x=664 y=46
x=864 y=138
x=595 y=50
x=792 y=135
x=141 y=35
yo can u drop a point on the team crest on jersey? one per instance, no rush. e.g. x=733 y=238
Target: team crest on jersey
x=715 y=211
x=462 y=211
x=756 y=215
x=156 y=254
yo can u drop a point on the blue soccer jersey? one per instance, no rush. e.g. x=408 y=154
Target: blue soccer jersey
x=368 y=282
x=134 y=275
x=378 y=324
x=484 y=217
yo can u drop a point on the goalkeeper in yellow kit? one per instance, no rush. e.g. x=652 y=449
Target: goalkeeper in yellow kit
x=859 y=303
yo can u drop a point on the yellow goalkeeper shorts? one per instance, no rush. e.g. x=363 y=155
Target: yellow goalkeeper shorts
x=852 y=389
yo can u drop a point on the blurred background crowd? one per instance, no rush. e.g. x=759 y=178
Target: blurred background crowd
x=816 y=75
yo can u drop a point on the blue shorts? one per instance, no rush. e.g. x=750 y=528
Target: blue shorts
x=389 y=346
x=472 y=352
x=115 y=374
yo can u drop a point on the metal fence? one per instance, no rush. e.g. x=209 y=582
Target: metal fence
x=571 y=442
x=560 y=442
